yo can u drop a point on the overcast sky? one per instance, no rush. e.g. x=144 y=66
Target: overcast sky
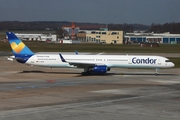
x=99 y=11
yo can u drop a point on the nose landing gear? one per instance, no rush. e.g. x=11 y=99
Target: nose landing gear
x=156 y=73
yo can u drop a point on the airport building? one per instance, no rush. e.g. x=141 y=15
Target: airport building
x=70 y=30
x=37 y=37
x=165 y=38
x=108 y=37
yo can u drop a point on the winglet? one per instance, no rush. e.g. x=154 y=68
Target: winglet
x=76 y=52
x=62 y=59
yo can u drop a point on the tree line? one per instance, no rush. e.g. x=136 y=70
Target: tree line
x=44 y=25
x=56 y=25
x=173 y=28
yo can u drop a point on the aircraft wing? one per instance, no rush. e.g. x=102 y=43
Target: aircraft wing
x=80 y=64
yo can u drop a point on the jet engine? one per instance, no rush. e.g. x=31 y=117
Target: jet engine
x=100 y=69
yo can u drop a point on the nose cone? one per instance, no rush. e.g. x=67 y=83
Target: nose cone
x=171 y=64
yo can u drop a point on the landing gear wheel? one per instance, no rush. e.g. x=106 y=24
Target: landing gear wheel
x=85 y=73
x=156 y=73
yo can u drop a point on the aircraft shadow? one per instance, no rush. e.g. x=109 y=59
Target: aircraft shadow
x=43 y=72
x=159 y=74
x=107 y=74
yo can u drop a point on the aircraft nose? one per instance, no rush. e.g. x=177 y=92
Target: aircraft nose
x=172 y=64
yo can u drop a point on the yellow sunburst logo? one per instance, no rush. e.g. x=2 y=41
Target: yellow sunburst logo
x=17 y=48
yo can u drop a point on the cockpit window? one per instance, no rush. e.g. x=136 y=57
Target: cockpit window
x=167 y=61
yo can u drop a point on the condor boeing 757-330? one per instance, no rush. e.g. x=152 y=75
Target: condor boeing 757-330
x=90 y=63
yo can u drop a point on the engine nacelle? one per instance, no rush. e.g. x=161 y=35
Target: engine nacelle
x=100 y=69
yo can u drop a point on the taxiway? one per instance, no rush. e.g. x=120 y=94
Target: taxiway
x=29 y=92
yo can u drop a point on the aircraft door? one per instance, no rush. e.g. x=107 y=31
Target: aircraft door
x=32 y=60
x=130 y=61
x=159 y=62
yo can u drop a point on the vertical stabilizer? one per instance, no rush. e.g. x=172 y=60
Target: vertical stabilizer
x=18 y=47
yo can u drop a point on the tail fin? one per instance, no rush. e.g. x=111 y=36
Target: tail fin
x=18 y=47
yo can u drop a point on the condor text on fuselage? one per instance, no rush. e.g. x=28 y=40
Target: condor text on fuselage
x=136 y=60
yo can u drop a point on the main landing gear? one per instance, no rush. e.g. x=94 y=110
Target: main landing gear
x=86 y=72
x=156 y=73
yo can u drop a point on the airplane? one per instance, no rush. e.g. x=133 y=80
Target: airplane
x=92 y=64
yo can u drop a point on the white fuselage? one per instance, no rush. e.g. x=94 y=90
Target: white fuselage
x=111 y=61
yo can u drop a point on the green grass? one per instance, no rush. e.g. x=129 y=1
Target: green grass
x=2 y=36
x=51 y=47
x=176 y=61
x=116 y=48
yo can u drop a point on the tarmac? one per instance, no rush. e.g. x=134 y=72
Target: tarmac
x=37 y=93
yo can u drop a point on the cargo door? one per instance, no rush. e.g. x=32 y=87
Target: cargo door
x=130 y=61
x=159 y=61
